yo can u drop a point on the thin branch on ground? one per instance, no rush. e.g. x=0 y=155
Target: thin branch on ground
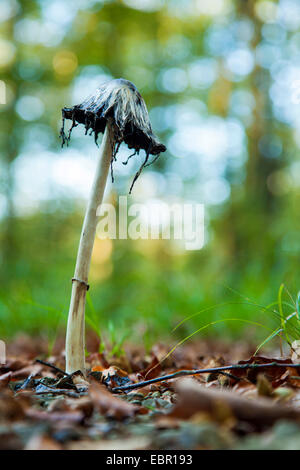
x=182 y=373
x=52 y=366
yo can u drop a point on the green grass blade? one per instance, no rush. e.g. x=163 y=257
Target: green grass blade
x=251 y=304
x=282 y=319
x=211 y=324
x=275 y=333
x=298 y=305
x=269 y=338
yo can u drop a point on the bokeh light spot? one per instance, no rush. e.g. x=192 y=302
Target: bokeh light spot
x=65 y=63
x=29 y=108
x=7 y=52
x=173 y=80
x=266 y=11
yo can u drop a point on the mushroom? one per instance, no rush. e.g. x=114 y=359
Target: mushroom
x=117 y=110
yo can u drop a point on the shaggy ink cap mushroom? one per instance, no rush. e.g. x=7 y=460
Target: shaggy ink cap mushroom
x=118 y=111
x=120 y=102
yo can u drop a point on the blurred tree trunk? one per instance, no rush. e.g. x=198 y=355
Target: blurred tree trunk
x=9 y=150
x=252 y=207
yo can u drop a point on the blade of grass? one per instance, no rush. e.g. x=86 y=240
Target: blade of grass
x=294 y=328
x=251 y=304
x=298 y=305
x=276 y=332
x=283 y=323
x=207 y=326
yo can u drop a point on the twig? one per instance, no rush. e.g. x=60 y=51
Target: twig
x=52 y=366
x=182 y=373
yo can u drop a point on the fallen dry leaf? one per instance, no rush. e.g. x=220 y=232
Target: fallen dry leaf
x=132 y=443
x=192 y=398
x=53 y=417
x=42 y=442
x=4 y=380
x=33 y=369
x=273 y=374
x=82 y=404
x=109 y=404
x=152 y=371
x=38 y=400
x=12 y=408
x=13 y=364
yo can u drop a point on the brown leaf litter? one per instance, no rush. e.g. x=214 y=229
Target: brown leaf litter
x=42 y=407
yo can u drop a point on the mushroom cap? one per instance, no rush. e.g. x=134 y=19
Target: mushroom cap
x=120 y=101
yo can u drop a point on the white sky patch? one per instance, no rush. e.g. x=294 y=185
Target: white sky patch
x=90 y=78
x=285 y=93
x=219 y=40
x=268 y=54
x=216 y=191
x=203 y=72
x=212 y=139
x=289 y=14
x=8 y=9
x=274 y=33
x=32 y=31
x=47 y=175
x=243 y=30
x=149 y=185
x=58 y=11
x=240 y=62
x=173 y=80
x=30 y=108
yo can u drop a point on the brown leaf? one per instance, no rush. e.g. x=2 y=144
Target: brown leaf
x=97 y=360
x=152 y=371
x=293 y=378
x=161 y=351
x=64 y=416
x=261 y=412
x=26 y=347
x=11 y=408
x=113 y=376
x=167 y=422
x=33 y=369
x=13 y=364
x=109 y=404
x=271 y=373
x=131 y=443
x=42 y=442
x=5 y=379
x=82 y=404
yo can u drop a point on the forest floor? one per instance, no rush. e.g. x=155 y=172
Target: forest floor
x=248 y=407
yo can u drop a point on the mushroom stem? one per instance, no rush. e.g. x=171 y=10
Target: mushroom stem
x=75 y=338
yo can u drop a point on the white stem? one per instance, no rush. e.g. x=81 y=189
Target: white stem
x=75 y=339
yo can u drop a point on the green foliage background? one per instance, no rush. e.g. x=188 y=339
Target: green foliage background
x=146 y=288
